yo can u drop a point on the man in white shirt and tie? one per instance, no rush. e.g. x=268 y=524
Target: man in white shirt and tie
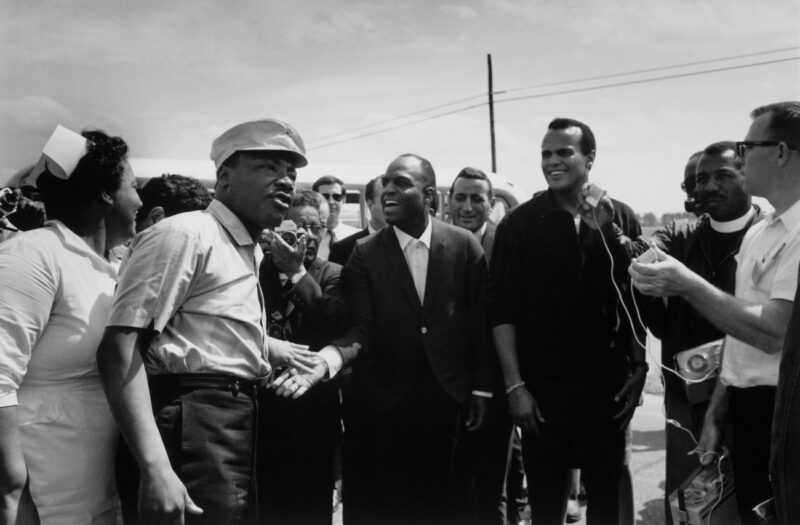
x=334 y=191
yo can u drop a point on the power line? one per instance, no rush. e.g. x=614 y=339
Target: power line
x=649 y=70
x=548 y=84
x=393 y=119
x=432 y=117
x=555 y=93
x=648 y=80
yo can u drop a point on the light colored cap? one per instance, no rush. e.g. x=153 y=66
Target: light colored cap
x=61 y=153
x=260 y=135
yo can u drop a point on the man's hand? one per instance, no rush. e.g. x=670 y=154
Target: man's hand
x=525 y=411
x=163 y=498
x=478 y=409
x=595 y=217
x=665 y=278
x=630 y=394
x=287 y=354
x=288 y=259
x=709 y=443
x=294 y=382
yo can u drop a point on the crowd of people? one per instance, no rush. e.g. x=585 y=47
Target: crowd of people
x=169 y=355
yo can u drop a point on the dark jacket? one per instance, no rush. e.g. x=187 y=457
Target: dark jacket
x=341 y=250
x=784 y=467
x=554 y=285
x=678 y=324
x=394 y=338
x=318 y=311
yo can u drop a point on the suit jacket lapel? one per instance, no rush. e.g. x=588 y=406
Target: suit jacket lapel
x=398 y=263
x=436 y=264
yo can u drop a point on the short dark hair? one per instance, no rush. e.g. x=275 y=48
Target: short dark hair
x=427 y=168
x=175 y=193
x=588 y=144
x=475 y=174
x=719 y=148
x=99 y=170
x=369 y=190
x=784 y=121
x=307 y=198
x=329 y=179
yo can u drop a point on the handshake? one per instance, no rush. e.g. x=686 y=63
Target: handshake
x=296 y=368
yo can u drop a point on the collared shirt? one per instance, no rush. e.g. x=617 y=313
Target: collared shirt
x=193 y=279
x=341 y=231
x=481 y=232
x=55 y=292
x=416 y=253
x=767 y=270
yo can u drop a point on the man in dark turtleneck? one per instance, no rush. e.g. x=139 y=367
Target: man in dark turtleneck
x=707 y=246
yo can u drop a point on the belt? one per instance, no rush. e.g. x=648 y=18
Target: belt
x=227 y=383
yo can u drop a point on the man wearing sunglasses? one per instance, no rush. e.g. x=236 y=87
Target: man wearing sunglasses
x=332 y=188
x=755 y=318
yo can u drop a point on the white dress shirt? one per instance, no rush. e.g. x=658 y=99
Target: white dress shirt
x=767 y=269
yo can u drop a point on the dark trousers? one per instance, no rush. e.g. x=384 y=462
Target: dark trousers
x=483 y=466
x=296 y=456
x=209 y=433
x=579 y=432
x=680 y=465
x=398 y=463
x=751 y=411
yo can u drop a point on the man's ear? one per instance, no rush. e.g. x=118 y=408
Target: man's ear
x=430 y=194
x=590 y=160
x=222 y=177
x=783 y=154
x=106 y=198
x=154 y=215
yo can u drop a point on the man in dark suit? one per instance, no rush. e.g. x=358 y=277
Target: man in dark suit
x=418 y=351
x=341 y=250
x=486 y=452
x=305 y=305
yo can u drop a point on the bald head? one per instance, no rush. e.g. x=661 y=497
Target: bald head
x=409 y=191
x=420 y=167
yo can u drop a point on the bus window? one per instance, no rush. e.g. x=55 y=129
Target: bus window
x=353 y=210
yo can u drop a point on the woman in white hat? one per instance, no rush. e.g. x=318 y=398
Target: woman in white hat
x=57 y=434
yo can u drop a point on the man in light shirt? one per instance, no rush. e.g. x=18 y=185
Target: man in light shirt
x=418 y=347
x=189 y=310
x=334 y=191
x=756 y=317
x=341 y=250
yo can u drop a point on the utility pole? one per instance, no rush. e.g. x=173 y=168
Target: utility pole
x=491 y=112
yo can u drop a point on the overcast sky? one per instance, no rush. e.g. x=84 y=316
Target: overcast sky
x=170 y=76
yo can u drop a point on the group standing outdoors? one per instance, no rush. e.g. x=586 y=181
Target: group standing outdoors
x=234 y=355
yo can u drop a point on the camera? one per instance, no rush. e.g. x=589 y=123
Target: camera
x=8 y=202
x=288 y=232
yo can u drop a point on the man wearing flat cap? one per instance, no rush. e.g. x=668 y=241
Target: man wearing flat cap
x=188 y=318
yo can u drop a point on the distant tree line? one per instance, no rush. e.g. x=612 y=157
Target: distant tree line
x=650 y=219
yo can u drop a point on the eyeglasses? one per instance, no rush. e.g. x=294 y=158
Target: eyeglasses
x=742 y=147
x=316 y=229
x=335 y=196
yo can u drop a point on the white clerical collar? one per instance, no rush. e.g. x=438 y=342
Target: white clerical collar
x=733 y=226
